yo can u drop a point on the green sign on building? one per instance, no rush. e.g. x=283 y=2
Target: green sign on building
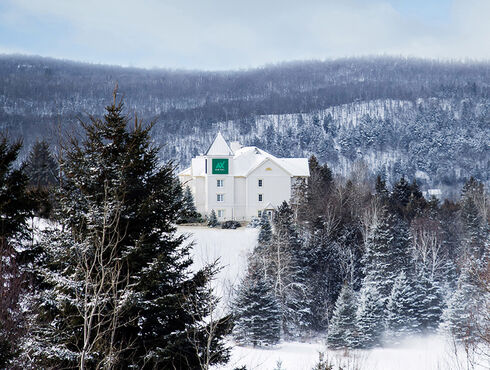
x=220 y=166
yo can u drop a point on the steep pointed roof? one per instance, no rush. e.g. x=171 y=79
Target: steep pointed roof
x=219 y=147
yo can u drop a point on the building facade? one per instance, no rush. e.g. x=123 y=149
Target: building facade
x=241 y=183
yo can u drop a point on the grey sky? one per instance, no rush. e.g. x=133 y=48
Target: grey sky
x=218 y=34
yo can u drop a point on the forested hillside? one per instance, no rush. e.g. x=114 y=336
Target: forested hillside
x=411 y=117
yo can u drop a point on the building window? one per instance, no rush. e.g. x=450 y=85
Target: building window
x=221 y=213
x=259 y=213
x=220 y=183
x=260 y=197
x=260 y=183
x=220 y=197
x=205 y=165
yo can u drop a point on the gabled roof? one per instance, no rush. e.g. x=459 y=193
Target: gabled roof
x=219 y=147
x=247 y=159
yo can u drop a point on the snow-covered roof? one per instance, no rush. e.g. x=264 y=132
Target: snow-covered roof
x=249 y=158
x=219 y=146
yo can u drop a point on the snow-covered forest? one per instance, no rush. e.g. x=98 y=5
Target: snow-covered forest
x=398 y=116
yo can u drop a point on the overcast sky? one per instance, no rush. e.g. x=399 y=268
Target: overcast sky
x=230 y=34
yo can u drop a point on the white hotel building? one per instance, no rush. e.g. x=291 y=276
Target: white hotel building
x=241 y=183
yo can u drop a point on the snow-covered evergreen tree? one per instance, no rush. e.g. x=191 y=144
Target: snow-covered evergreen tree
x=287 y=271
x=401 y=318
x=387 y=253
x=463 y=314
x=41 y=167
x=115 y=285
x=342 y=330
x=265 y=232
x=429 y=303
x=370 y=318
x=213 y=220
x=256 y=310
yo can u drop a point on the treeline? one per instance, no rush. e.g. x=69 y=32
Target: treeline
x=107 y=283
x=365 y=266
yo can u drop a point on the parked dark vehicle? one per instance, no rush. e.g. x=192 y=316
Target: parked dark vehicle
x=230 y=225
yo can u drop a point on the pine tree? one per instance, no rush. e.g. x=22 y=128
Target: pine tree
x=41 y=167
x=15 y=208
x=462 y=316
x=387 y=252
x=265 y=233
x=287 y=272
x=42 y=170
x=401 y=318
x=370 y=318
x=116 y=286
x=188 y=212
x=429 y=302
x=213 y=220
x=257 y=312
x=342 y=327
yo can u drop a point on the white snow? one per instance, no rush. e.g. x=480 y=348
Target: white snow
x=230 y=246
x=429 y=353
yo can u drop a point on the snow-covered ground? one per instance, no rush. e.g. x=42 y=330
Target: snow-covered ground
x=232 y=248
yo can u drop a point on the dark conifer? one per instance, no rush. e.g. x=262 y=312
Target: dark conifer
x=15 y=208
x=117 y=212
x=257 y=313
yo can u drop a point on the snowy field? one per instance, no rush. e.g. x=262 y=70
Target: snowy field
x=232 y=248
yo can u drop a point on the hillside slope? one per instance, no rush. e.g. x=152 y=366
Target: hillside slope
x=400 y=116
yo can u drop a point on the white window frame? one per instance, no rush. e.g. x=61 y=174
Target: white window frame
x=261 y=197
x=221 y=213
x=220 y=197
x=260 y=183
x=259 y=213
x=220 y=183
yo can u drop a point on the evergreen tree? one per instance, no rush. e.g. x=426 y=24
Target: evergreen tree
x=188 y=212
x=213 y=220
x=257 y=312
x=265 y=233
x=116 y=286
x=381 y=190
x=473 y=238
x=401 y=318
x=400 y=196
x=287 y=270
x=41 y=167
x=429 y=302
x=15 y=208
x=387 y=253
x=370 y=318
x=342 y=327
x=463 y=314
x=42 y=170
